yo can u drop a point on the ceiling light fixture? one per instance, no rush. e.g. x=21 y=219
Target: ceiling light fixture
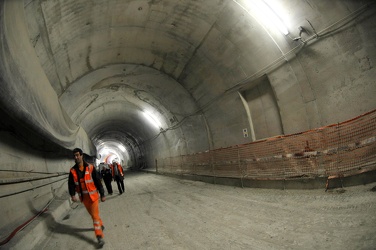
x=272 y=15
x=152 y=119
x=121 y=147
x=262 y=11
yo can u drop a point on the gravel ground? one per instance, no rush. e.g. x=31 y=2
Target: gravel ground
x=160 y=212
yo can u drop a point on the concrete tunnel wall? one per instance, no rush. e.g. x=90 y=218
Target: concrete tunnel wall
x=329 y=79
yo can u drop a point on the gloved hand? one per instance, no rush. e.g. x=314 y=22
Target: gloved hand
x=103 y=198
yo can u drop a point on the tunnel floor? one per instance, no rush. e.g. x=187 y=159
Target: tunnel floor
x=160 y=212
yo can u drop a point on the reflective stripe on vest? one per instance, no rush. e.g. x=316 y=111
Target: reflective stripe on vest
x=89 y=186
x=86 y=192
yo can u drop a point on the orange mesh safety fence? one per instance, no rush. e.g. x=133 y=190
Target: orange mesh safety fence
x=342 y=149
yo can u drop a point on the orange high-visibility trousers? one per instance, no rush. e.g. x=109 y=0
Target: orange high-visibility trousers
x=93 y=210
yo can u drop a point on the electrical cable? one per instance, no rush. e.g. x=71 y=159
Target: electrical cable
x=4 y=182
x=24 y=171
x=22 y=226
x=275 y=64
x=29 y=189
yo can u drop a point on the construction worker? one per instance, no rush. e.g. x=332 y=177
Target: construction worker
x=84 y=180
x=118 y=176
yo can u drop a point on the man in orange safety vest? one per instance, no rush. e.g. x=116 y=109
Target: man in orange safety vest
x=84 y=181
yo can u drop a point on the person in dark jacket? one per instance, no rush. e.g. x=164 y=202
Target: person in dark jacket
x=118 y=176
x=84 y=180
x=106 y=174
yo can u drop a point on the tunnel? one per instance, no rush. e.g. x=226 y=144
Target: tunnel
x=273 y=94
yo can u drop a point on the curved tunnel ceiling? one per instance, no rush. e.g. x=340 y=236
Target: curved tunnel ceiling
x=113 y=100
x=114 y=60
x=110 y=61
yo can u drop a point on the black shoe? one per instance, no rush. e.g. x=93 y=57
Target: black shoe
x=100 y=241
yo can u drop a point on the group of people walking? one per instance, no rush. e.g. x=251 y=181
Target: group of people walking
x=85 y=181
x=113 y=172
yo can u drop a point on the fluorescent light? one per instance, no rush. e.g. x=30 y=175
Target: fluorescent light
x=272 y=15
x=121 y=147
x=263 y=12
x=152 y=119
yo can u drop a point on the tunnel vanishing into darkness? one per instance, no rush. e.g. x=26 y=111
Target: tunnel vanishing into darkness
x=210 y=90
